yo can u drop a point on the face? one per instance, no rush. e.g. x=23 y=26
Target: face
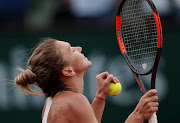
x=74 y=57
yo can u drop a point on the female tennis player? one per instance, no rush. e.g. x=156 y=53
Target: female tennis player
x=58 y=69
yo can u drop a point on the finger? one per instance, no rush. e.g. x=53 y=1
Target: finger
x=150 y=112
x=153 y=99
x=150 y=99
x=117 y=79
x=109 y=79
x=153 y=109
x=150 y=93
x=102 y=75
x=114 y=80
x=155 y=104
x=152 y=104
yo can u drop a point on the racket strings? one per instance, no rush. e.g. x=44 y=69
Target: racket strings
x=141 y=43
x=139 y=34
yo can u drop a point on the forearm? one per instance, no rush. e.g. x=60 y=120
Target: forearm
x=103 y=83
x=98 y=107
x=134 y=118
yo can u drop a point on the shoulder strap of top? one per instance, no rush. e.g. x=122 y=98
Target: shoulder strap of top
x=48 y=106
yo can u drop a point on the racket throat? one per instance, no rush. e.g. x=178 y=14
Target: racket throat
x=140 y=83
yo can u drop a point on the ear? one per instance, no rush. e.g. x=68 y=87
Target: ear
x=68 y=71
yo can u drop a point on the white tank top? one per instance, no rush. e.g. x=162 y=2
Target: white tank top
x=47 y=108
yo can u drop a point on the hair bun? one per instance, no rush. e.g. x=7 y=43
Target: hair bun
x=31 y=75
x=26 y=77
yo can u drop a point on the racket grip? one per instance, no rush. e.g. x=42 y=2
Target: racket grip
x=153 y=118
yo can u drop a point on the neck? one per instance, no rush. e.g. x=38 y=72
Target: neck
x=74 y=83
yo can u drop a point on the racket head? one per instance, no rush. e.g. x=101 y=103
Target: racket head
x=139 y=34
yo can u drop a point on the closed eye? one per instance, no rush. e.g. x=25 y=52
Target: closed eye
x=73 y=50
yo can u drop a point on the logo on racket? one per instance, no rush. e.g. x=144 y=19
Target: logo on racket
x=144 y=66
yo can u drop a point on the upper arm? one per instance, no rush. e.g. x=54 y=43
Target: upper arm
x=82 y=111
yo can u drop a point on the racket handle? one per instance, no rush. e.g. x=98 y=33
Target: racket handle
x=153 y=118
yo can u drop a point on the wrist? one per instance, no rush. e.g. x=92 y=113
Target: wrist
x=100 y=98
x=101 y=95
x=137 y=116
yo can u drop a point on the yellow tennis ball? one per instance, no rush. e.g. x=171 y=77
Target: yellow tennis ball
x=115 y=89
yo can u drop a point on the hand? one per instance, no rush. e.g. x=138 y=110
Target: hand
x=103 y=81
x=147 y=105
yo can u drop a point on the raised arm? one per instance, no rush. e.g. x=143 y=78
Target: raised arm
x=98 y=104
x=148 y=104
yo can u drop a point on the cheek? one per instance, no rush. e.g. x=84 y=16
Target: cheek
x=77 y=59
x=81 y=64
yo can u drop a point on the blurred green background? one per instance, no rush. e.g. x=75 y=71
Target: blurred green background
x=90 y=25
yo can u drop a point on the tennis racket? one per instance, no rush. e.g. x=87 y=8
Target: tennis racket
x=139 y=35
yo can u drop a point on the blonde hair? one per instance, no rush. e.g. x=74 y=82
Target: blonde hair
x=44 y=70
x=26 y=78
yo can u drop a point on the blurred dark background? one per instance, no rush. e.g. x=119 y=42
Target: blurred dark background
x=90 y=24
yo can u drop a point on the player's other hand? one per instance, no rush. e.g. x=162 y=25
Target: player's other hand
x=148 y=104
x=103 y=81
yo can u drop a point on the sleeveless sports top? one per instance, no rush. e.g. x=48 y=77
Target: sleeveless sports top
x=48 y=106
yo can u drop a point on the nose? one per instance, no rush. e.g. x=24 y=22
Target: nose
x=79 y=49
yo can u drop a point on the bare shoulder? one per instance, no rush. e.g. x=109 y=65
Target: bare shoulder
x=77 y=99
x=72 y=107
x=71 y=101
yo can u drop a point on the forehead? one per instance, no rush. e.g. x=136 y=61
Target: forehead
x=62 y=46
x=62 y=43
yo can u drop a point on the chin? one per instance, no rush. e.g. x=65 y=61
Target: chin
x=90 y=64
